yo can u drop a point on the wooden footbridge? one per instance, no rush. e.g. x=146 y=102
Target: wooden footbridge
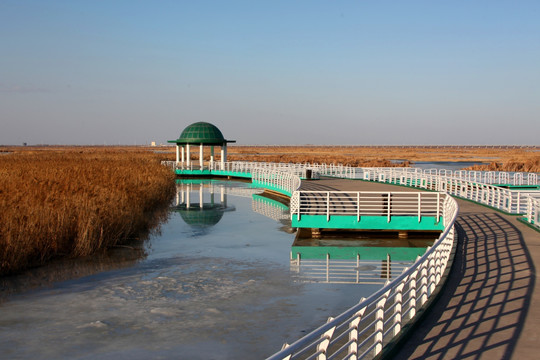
x=478 y=280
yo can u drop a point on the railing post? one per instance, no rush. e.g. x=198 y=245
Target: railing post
x=328 y=206
x=398 y=299
x=358 y=206
x=379 y=324
x=323 y=345
x=389 y=207
x=353 y=333
x=419 y=207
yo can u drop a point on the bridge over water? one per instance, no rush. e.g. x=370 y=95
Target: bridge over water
x=490 y=305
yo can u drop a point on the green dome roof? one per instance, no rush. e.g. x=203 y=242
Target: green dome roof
x=201 y=133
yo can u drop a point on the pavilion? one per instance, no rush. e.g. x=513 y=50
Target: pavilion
x=201 y=134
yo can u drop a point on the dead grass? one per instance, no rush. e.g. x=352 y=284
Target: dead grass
x=76 y=201
x=501 y=158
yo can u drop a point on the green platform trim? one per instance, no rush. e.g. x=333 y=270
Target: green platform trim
x=368 y=222
x=206 y=172
x=519 y=187
x=350 y=253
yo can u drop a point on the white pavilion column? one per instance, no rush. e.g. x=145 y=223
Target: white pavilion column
x=188 y=157
x=212 y=157
x=201 y=156
x=177 y=153
x=183 y=154
x=223 y=157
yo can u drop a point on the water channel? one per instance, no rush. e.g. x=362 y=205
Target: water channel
x=215 y=282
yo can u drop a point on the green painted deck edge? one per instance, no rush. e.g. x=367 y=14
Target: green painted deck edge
x=213 y=173
x=350 y=253
x=526 y=222
x=367 y=222
x=517 y=187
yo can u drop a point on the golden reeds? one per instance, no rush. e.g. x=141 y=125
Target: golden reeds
x=76 y=201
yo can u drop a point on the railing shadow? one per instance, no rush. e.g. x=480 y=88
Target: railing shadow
x=483 y=307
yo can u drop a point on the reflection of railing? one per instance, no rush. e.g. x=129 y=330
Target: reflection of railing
x=363 y=330
x=343 y=271
x=270 y=208
x=366 y=203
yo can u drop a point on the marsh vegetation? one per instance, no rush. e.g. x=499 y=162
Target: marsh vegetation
x=73 y=202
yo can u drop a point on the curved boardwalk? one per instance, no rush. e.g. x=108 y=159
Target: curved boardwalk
x=490 y=307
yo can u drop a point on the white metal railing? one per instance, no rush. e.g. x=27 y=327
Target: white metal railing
x=363 y=330
x=300 y=170
x=367 y=203
x=484 y=177
x=511 y=201
x=533 y=210
x=277 y=180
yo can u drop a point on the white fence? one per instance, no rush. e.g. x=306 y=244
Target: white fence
x=300 y=170
x=366 y=203
x=533 y=210
x=484 y=177
x=272 y=179
x=511 y=201
x=363 y=330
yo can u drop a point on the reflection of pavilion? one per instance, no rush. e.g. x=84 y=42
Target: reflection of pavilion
x=195 y=209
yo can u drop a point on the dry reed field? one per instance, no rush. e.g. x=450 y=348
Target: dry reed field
x=74 y=201
x=501 y=158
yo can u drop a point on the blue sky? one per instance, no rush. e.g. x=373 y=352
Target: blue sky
x=270 y=72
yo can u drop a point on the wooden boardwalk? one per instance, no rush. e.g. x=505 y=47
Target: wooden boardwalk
x=490 y=307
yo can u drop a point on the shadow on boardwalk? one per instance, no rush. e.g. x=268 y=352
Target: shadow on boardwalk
x=484 y=305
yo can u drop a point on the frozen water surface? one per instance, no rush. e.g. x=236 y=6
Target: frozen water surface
x=216 y=283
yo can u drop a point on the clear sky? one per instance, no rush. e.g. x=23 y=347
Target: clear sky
x=270 y=72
